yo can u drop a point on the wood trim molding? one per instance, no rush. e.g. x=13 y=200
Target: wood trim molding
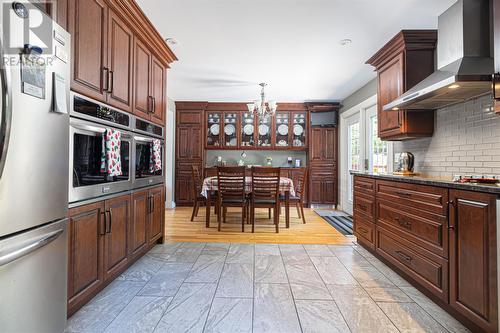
x=405 y=40
x=133 y=14
x=323 y=107
x=193 y=106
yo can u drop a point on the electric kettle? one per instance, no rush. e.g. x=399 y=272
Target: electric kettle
x=406 y=162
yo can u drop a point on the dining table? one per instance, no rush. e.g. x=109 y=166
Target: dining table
x=210 y=187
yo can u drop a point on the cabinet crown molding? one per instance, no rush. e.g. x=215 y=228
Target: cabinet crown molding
x=405 y=40
x=132 y=13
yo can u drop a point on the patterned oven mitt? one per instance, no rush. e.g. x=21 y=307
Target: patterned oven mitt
x=155 y=156
x=111 y=157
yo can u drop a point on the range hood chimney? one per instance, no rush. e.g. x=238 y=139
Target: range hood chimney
x=464 y=60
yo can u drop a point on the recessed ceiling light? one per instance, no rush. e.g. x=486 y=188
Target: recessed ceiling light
x=171 y=41
x=454 y=86
x=345 y=42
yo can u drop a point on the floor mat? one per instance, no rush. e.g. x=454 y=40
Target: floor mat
x=343 y=224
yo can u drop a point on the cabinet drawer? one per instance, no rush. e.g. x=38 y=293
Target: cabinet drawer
x=364 y=185
x=365 y=231
x=431 y=234
x=426 y=198
x=184 y=169
x=364 y=205
x=424 y=267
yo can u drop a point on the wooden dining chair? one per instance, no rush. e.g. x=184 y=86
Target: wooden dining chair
x=231 y=192
x=199 y=200
x=265 y=192
x=298 y=198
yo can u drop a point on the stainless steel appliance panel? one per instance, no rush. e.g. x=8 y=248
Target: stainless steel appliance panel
x=86 y=181
x=33 y=277
x=141 y=176
x=33 y=184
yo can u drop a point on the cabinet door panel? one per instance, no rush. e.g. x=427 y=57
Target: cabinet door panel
x=316 y=144
x=156 y=216
x=88 y=28
x=116 y=242
x=85 y=259
x=120 y=48
x=329 y=192
x=330 y=144
x=390 y=86
x=142 y=70
x=158 y=80
x=473 y=257
x=196 y=143
x=184 y=191
x=183 y=142
x=316 y=189
x=140 y=209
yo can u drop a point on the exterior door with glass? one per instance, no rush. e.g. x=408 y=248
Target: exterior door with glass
x=364 y=149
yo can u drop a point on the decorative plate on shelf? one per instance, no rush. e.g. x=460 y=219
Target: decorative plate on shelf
x=248 y=129
x=232 y=142
x=229 y=129
x=283 y=129
x=298 y=130
x=263 y=129
x=214 y=129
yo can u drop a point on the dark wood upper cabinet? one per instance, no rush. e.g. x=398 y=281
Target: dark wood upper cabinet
x=473 y=262
x=86 y=253
x=402 y=63
x=142 y=70
x=138 y=230
x=323 y=144
x=87 y=23
x=158 y=91
x=113 y=59
x=118 y=217
x=120 y=56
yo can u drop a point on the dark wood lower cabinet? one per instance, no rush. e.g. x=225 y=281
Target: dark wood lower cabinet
x=117 y=220
x=140 y=211
x=443 y=240
x=473 y=260
x=86 y=253
x=106 y=237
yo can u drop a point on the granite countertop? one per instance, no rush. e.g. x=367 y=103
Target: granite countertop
x=277 y=166
x=434 y=181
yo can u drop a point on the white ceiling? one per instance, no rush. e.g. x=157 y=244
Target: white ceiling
x=226 y=47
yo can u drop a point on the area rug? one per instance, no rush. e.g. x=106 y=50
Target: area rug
x=341 y=221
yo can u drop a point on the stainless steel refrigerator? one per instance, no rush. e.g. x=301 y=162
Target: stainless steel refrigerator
x=34 y=129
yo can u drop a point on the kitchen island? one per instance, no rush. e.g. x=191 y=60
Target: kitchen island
x=440 y=235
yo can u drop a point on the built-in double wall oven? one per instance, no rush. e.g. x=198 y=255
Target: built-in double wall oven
x=88 y=123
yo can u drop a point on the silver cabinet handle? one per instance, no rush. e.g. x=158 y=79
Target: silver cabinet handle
x=5 y=111
x=9 y=256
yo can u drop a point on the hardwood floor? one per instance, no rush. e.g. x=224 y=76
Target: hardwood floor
x=316 y=231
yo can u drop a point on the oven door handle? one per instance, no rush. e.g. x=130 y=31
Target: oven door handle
x=89 y=128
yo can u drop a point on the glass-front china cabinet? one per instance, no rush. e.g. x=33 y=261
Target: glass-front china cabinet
x=213 y=129
x=264 y=132
x=299 y=129
x=230 y=129
x=282 y=130
x=248 y=129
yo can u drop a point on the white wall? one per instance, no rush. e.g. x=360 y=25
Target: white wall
x=170 y=155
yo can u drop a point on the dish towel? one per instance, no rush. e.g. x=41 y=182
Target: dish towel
x=155 y=156
x=111 y=163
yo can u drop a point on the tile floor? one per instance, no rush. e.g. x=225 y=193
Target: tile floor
x=217 y=287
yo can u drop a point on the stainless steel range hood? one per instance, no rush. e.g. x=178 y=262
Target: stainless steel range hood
x=464 y=60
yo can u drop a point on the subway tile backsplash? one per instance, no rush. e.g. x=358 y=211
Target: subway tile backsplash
x=466 y=140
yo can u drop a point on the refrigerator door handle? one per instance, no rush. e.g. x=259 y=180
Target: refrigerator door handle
x=9 y=256
x=5 y=110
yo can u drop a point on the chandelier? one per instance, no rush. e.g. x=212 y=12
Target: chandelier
x=263 y=108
